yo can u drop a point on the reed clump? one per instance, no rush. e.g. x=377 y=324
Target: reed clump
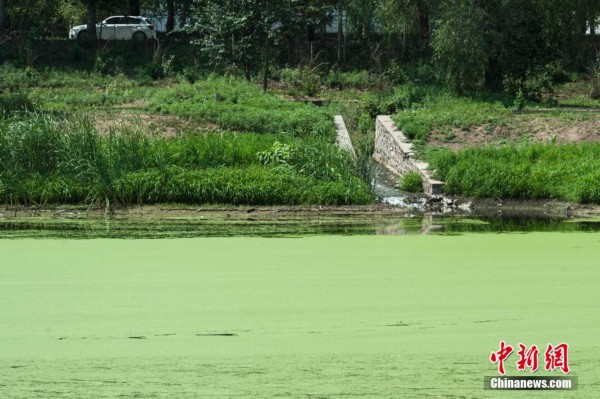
x=46 y=159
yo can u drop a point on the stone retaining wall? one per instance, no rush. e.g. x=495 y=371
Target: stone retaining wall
x=395 y=152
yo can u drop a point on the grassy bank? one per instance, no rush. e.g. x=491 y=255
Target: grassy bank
x=45 y=159
x=429 y=112
x=239 y=105
x=566 y=172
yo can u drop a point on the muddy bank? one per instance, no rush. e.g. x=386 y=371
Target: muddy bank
x=417 y=204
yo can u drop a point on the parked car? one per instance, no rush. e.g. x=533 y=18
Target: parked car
x=118 y=28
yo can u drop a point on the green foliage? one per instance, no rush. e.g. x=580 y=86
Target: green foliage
x=352 y=79
x=396 y=74
x=411 y=182
x=529 y=171
x=594 y=73
x=519 y=100
x=44 y=159
x=238 y=105
x=301 y=80
x=11 y=103
x=106 y=64
x=393 y=101
x=18 y=79
x=441 y=109
x=535 y=86
x=278 y=154
x=249 y=186
x=460 y=50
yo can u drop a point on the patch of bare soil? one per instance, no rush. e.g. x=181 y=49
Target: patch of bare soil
x=151 y=124
x=538 y=129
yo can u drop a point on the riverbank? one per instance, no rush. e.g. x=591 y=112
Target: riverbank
x=477 y=207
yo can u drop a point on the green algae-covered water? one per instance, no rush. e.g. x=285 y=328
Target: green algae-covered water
x=319 y=316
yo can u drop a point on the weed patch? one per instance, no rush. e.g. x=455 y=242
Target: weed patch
x=240 y=106
x=45 y=159
x=529 y=171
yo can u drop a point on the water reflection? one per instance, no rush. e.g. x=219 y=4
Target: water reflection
x=84 y=228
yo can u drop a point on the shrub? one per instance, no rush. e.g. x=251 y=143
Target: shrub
x=301 y=80
x=411 y=182
x=352 y=79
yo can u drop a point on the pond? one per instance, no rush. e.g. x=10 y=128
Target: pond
x=248 y=308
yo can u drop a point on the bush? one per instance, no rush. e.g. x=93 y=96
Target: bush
x=411 y=182
x=353 y=79
x=302 y=80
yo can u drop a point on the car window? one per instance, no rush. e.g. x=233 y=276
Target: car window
x=112 y=21
x=132 y=21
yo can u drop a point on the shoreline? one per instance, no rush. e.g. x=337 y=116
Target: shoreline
x=478 y=208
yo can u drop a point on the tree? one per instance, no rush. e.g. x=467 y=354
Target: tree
x=91 y=34
x=2 y=17
x=239 y=32
x=185 y=10
x=459 y=46
x=170 y=15
x=134 y=7
x=495 y=43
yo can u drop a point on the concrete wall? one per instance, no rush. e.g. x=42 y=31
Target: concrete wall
x=395 y=152
x=342 y=136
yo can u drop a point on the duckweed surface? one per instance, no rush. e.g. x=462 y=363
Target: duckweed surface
x=323 y=316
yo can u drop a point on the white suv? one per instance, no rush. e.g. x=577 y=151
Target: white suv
x=118 y=28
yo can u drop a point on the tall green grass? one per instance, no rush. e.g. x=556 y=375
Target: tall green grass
x=238 y=105
x=443 y=109
x=530 y=171
x=45 y=159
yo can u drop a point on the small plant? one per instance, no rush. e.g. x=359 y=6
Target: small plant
x=519 y=100
x=278 y=154
x=12 y=103
x=411 y=182
x=594 y=72
x=105 y=64
x=191 y=74
x=301 y=80
x=395 y=74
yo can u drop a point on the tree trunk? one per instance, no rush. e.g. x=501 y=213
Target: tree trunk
x=185 y=10
x=340 y=33
x=134 y=7
x=170 y=15
x=91 y=20
x=2 y=17
x=267 y=51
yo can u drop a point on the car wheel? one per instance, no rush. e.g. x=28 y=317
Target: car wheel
x=139 y=36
